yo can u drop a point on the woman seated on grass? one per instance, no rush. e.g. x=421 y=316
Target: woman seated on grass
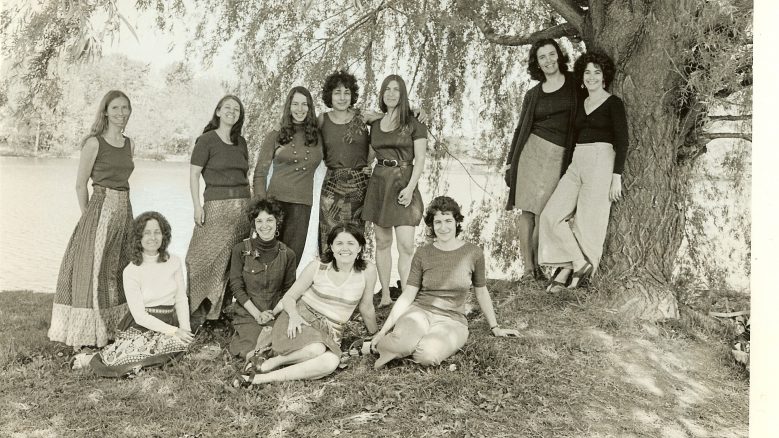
x=157 y=326
x=306 y=337
x=429 y=316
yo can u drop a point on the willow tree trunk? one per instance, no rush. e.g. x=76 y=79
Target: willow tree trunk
x=647 y=226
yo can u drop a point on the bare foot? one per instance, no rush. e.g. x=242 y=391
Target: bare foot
x=385 y=303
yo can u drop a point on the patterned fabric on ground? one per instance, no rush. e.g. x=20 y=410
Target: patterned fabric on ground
x=90 y=300
x=343 y=195
x=209 y=252
x=136 y=347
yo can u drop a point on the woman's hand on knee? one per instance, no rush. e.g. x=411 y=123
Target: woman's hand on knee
x=295 y=326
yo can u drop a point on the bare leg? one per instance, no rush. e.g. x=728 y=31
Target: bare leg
x=311 y=369
x=308 y=352
x=405 y=236
x=528 y=241
x=384 y=261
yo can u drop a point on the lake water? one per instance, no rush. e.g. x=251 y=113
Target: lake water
x=40 y=210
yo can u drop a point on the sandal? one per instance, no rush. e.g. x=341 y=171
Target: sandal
x=360 y=347
x=556 y=285
x=582 y=273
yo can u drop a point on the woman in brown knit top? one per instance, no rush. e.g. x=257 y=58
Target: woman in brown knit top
x=429 y=316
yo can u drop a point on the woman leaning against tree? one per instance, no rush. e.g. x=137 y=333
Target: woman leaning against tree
x=593 y=180
x=542 y=144
x=222 y=158
x=90 y=301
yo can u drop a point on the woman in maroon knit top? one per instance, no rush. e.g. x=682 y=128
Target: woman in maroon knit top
x=592 y=182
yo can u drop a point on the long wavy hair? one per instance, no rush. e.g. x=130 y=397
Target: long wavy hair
x=404 y=108
x=534 y=70
x=598 y=59
x=310 y=124
x=135 y=248
x=346 y=227
x=235 y=131
x=101 y=118
x=443 y=204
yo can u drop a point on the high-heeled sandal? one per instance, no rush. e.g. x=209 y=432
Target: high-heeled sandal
x=579 y=275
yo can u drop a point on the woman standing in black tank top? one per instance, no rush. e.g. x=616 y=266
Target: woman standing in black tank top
x=89 y=301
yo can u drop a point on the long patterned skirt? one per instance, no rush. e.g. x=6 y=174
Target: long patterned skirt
x=208 y=256
x=137 y=347
x=343 y=195
x=89 y=301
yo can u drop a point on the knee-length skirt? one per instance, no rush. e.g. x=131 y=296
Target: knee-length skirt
x=538 y=173
x=381 y=200
x=89 y=301
x=320 y=330
x=343 y=196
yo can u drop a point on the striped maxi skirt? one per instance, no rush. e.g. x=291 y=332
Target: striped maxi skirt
x=208 y=256
x=343 y=195
x=89 y=301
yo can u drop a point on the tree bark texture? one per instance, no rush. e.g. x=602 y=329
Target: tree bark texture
x=646 y=227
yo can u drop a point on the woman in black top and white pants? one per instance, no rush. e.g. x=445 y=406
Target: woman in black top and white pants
x=592 y=182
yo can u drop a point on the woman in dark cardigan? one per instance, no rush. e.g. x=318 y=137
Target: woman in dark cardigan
x=542 y=144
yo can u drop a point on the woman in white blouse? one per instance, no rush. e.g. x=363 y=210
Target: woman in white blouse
x=156 y=329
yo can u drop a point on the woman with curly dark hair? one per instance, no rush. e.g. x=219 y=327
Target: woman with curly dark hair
x=593 y=180
x=261 y=270
x=429 y=316
x=221 y=157
x=156 y=328
x=542 y=144
x=306 y=337
x=346 y=143
x=288 y=161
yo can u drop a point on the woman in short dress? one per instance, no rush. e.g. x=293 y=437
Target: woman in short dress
x=262 y=269
x=90 y=301
x=306 y=338
x=393 y=199
x=593 y=180
x=221 y=157
x=156 y=328
x=291 y=156
x=429 y=316
x=542 y=145
x=346 y=141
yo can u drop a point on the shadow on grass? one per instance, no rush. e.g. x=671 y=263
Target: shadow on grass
x=576 y=371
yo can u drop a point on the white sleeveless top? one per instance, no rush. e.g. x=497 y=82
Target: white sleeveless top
x=336 y=302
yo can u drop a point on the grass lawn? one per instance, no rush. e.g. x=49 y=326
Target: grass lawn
x=576 y=371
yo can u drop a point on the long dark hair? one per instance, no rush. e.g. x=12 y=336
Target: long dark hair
x=350 y=228
x=534 y=70
x=403 y=106
x=135 y=248
x=443 y=204
x=235 y=131
x=101 y=118
x=310 y=124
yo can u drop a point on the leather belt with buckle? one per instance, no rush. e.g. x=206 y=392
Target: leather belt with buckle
x=393 y=163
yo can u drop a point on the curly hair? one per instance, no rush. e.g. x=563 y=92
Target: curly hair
x=235 y=131
x=598 y=59
x=310 y=123
x=333 y=80
x=443 y=204
x=135 y=249
x=346 y=227
x=534 y=69
x=268 y=205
